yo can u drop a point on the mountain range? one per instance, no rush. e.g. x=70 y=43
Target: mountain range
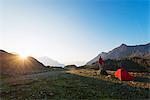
x=132 y=58
x=124 y=51
x=49 y=62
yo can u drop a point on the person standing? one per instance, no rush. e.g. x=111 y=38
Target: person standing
x=102 y=70
x=100 y=62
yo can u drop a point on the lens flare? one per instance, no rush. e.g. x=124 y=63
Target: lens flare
x=23 y=55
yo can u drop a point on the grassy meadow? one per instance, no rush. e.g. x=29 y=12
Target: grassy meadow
x=72 y=85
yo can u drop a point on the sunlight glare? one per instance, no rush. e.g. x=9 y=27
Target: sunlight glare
x=23 y=55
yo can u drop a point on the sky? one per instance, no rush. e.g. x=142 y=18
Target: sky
x=72 y=31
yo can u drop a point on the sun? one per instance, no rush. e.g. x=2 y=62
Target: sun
x=23 y=55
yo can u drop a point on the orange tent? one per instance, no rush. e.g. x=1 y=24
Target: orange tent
x=123 y=75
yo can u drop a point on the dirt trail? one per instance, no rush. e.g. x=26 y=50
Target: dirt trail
x=31 y=77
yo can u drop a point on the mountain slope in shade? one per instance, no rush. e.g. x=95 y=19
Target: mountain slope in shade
x=103 y=54
x=124 y=51
x=49 y=62
x=12 y=64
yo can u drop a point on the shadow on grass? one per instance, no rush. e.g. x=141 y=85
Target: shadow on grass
x=71 y=86
x=141 y=79
x=107 y=89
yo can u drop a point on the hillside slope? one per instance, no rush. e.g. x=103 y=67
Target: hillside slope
x=124 y=51
x=12 y=64
x=132 y=58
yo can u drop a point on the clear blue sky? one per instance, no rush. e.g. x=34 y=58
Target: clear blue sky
x=72 y=31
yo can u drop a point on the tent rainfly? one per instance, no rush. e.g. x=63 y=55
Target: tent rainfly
x=123 y=75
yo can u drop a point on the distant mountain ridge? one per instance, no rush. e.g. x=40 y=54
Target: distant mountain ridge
x=13 y=64
x=124 y=51
x=49 y=62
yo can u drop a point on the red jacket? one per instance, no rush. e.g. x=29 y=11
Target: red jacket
x=100 y=61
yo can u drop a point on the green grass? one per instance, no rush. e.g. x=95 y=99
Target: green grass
x=71 y=87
